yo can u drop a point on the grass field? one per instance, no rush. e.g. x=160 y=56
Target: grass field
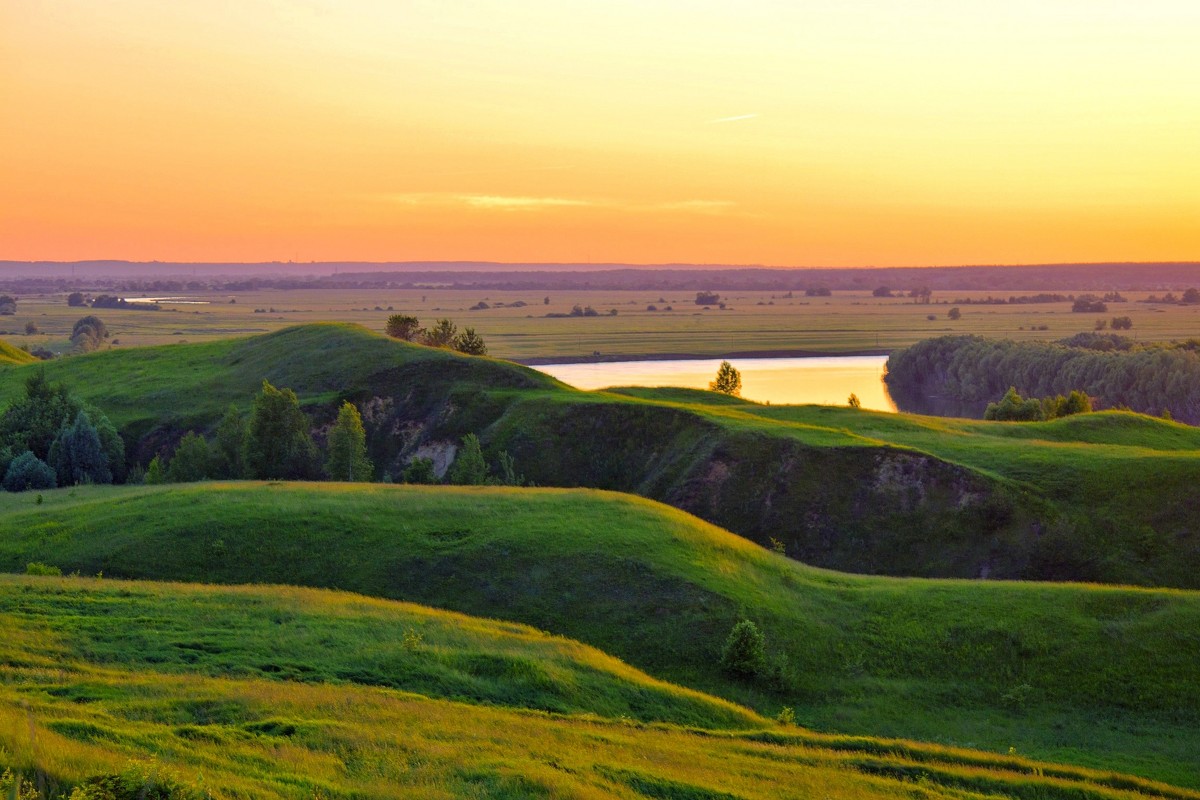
x=77 y=706
x=1100 y=677
x=754 y=321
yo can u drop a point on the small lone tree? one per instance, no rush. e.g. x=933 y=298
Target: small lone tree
x=954 y=313
x=744 y=654
x=728 y=380
x=403 y=326
x=469 y=468
x=347 y=445
x=853 y=401
x=155 y=473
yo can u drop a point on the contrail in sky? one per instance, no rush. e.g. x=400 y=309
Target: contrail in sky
x=731 y=119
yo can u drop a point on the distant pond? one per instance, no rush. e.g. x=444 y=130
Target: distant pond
x=825 y=380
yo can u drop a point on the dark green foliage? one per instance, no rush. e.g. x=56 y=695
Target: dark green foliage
x=75 y=300
x=469 y=468
x=78 y=456
x=403 y=326
x=1122 y=323
x=506 y=472
x=1014 y=408
x=8 y=304
x=744 y=654
x=278 y=443
x=419 y=470
x=1111 y=369
x=110 y=442
x=230 y=445
x=1089 y=304
x=32 y=422
x=193 y=460
x=954 y=313
x=470 y=342
x=347 y=446
x=38 y=568
x=27 y=471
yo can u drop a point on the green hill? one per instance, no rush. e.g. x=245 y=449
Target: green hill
x=13 y=356
x=1106 y=498
x=195 y=714
x=1098 y=676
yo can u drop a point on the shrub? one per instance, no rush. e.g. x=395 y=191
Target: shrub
x=38 y=568
x=27 y=471
x=744 y=654
x=470 y=342
x=419 y=470
x=853 y=401
x=403 y=326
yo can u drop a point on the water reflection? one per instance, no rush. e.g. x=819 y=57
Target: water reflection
x=792 y=381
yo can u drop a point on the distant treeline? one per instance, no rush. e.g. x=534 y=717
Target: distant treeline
x=174 y=277
x=1114 y=370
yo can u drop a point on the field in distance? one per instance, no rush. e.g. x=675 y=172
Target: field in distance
x=515 y=325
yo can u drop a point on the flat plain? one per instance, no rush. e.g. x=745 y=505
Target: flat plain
x=752 y=322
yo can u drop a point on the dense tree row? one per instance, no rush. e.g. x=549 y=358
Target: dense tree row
x=1114 y=371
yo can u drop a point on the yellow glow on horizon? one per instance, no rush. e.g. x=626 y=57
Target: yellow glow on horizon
x=841 y=133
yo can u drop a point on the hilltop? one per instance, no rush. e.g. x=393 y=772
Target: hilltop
x=1099 y=676
x=12 y=356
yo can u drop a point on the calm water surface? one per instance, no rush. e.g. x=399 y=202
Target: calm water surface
x=792 y=381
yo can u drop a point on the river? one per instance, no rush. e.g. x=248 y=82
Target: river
x=825 y=380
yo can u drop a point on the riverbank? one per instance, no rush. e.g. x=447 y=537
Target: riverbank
x=606 y=358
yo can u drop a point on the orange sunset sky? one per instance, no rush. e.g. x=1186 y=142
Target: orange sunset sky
x=838 y=132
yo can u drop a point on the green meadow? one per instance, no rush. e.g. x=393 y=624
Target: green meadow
x=1098 y=676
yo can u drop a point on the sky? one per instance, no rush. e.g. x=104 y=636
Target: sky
x=809 y=132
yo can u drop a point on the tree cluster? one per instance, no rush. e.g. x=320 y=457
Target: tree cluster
x=1014 y=408
x=1111 y=369
x=444 y=333
x=49 y=438
x=8 y=305
x=1089 y=304
x=88 y=334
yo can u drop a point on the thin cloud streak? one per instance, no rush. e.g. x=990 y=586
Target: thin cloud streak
x=510 y=203
x=723 y=120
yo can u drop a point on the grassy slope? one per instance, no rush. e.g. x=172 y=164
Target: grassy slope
x=66 y=716
x=763 y=471
x=323 y=637
x=1099 y=676
x=13 y=356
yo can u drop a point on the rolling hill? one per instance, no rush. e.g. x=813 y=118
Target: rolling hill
x=1098 y=676
x=855 y=491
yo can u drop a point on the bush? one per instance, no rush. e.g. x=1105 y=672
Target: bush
x=419 y=470
x=27 y=471
x=38 y=568
x=403 y=326
x=744 y=654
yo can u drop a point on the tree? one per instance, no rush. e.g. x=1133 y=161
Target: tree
x=8 y=304
x=728 y=380
x=193 y=460
x=230 y=445
x=1122 y=323
x=506 y=473
x=469 y=468
x=744 y=654
x=110 y=442
x=31 y=328
x=155 y=473
x=442 y=334
x=347 y=445
x=1191 y=296
x=77 y=455
x=33 y=421
x=88 y=334
x=403 y=326
x=707 y=298
x=1089 y=304
x=1014 y=408
x=954 y=314
x=419 y=470
x=853 y=401
x=76 y=299
x=882 y=291
x=27 y=471
x=278 y=444
x=470 y=342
